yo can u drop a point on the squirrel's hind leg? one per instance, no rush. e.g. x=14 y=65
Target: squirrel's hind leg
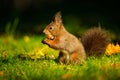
x=76 y=58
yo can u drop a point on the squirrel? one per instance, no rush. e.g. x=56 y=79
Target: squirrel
x=72 y=49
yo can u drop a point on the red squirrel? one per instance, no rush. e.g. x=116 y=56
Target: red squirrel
x=72 y=49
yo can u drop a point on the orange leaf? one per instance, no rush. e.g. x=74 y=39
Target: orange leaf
x=1 y=73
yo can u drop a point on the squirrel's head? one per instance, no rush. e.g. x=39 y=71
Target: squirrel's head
x=53 y=29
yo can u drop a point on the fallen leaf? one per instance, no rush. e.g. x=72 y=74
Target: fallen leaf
x=1 y=73
x=116 y=65
x=66 y=76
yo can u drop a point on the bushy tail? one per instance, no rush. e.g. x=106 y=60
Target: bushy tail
x=95 y=41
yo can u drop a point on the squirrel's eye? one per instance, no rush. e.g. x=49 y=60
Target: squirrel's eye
x=50 y=28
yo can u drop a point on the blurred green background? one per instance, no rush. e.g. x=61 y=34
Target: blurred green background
x=31 y=16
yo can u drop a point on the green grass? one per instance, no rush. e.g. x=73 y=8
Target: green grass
x=26 y=58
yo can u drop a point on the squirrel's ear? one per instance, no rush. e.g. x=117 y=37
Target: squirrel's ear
x=57 y=17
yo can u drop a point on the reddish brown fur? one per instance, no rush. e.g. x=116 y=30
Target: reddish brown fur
x=72 y=49
x=76 y=58
x=95 y=41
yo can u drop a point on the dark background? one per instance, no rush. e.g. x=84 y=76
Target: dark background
x=33 y=15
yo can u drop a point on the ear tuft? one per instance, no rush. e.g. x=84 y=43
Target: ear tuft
x=58 y=14
x=57 y=17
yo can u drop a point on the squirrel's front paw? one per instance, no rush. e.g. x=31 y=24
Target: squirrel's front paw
x=44 y=41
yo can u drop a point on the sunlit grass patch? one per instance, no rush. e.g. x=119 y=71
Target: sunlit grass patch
x=27 y=47
x=26 y=58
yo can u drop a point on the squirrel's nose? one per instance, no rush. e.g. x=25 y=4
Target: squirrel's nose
x=43 y=31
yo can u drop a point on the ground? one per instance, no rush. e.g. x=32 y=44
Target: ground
x=26 y=58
